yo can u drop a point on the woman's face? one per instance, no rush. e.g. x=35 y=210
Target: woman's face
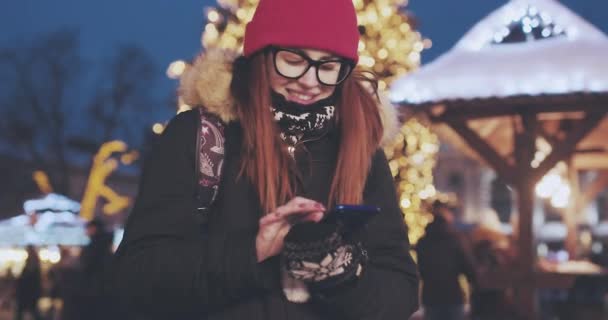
x=306 y=89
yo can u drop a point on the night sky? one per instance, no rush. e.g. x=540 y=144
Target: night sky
x=170 y=30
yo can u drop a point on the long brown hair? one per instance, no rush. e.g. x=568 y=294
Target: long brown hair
x=266 y=161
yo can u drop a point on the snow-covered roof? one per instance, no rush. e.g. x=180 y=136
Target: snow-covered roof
x=51 y=202
x=49 y=228
x=51 y=220
x=526 y=47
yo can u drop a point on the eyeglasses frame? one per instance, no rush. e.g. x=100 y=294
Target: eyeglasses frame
x=311 y=63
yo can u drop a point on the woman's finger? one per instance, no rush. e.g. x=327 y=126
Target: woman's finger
x=292 y=217
x=314 y=216
x=271 y=218
x=304 y=207
x=295 y=204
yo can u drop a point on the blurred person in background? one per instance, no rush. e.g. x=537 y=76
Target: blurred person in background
x=442 y=258
x=95 y=260
x=28 y=288
x=65 y=282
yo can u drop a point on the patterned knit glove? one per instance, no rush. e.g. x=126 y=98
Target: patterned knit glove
x=316 y=254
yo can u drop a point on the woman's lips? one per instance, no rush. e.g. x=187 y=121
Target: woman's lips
x=300 y=97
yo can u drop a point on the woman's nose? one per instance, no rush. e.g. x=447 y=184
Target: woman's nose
x=309 y=78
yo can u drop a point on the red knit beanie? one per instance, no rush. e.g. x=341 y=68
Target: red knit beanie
x=329 y=25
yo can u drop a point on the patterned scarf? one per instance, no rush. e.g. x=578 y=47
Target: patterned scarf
x=299 y=122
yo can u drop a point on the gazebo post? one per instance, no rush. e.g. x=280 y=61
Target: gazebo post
x=525 y=284
x=524 y=131
x=571 y=212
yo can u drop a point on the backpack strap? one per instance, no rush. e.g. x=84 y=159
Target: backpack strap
x=209 y=161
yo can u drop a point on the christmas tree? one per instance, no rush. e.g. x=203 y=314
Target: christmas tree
x=390 y=46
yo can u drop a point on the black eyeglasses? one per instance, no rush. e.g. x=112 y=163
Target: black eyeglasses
x=293 y=64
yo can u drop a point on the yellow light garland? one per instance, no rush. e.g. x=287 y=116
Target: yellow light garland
x=412 y=159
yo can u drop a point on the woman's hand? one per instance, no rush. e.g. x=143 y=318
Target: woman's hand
x=275 y=225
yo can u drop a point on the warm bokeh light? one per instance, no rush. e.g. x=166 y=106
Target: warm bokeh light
x=176 y=69
x=548 y=185
x=158 y=128
x=412 y=159
x=50 y=254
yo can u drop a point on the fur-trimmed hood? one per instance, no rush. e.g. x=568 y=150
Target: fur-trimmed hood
x=207 y=83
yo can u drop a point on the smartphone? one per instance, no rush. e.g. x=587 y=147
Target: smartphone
x=352 y=216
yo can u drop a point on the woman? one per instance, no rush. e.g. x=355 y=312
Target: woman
x=302 y=135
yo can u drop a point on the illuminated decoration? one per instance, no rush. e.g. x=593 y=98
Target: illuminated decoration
x=12 y=260
x=129 y=158
x=518 y=68
x=555 y=186
x=226 y=22
x=103 y=166
x=390 y=47
x=412 y=159
x=158 y=128
x=42 y=181
x=543 y=149
x=531 y=25
x=176 y=69
x=50 y=254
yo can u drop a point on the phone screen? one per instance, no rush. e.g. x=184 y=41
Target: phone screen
x=352 y=215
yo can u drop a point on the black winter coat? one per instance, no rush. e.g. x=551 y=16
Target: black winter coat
x=168 y=268
x=442 y=258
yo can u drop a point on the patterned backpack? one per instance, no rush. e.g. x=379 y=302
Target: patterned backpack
x=210 y=151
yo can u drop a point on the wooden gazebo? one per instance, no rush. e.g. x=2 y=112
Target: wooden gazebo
x=532 y=69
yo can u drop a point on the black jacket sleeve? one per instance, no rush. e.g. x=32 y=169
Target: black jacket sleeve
x=166 y=264
x=388 y=287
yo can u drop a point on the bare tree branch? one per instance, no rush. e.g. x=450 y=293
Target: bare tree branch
x=40 y=107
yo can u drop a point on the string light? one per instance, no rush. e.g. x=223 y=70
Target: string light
x=176 y=69
x=412 y=159
x=158 y=128
x=528 y=25
x=555 y=186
